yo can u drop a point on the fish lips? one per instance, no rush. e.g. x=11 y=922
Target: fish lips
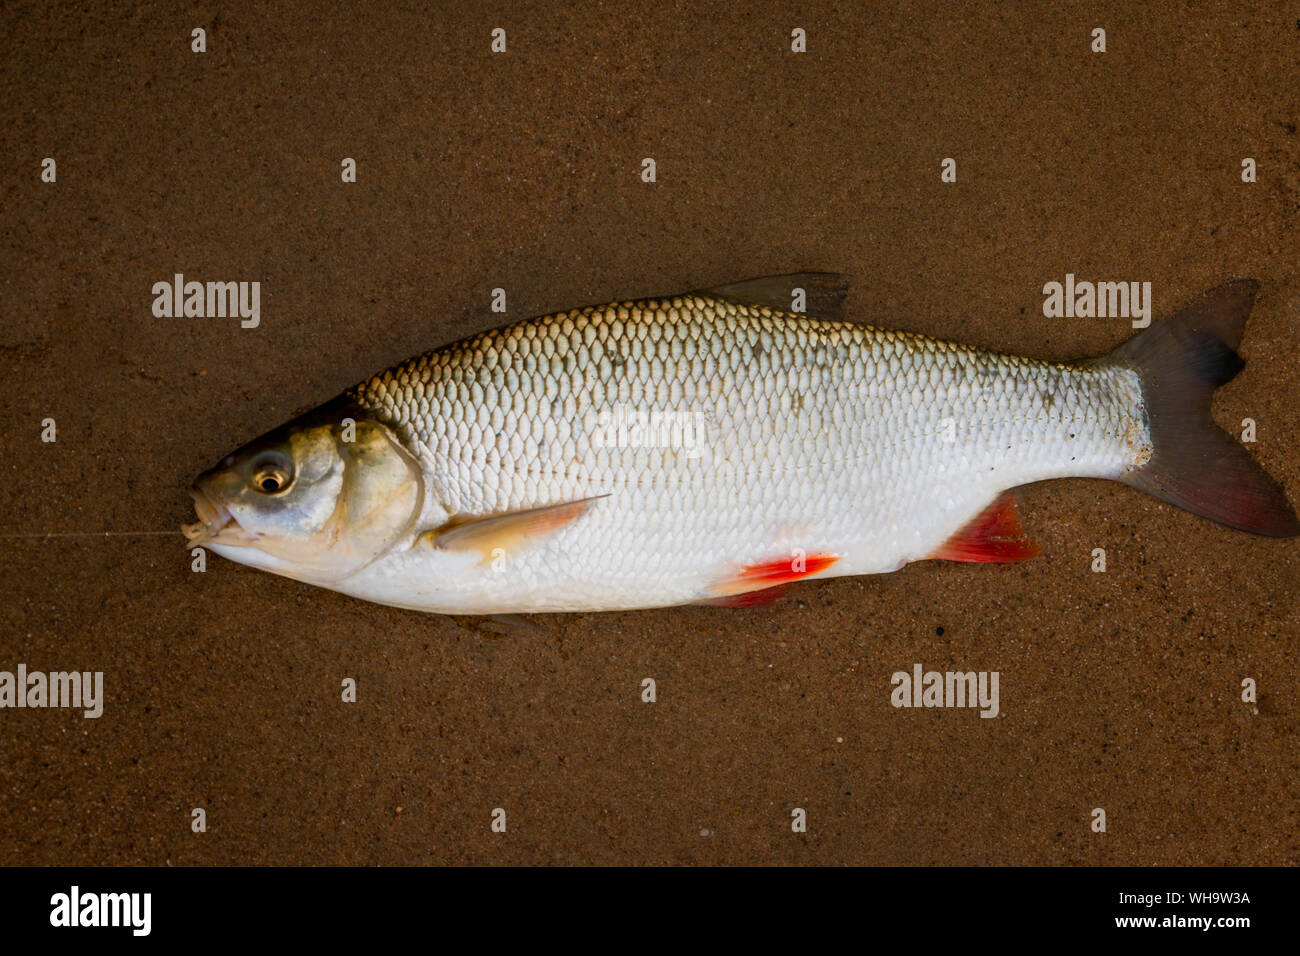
x=216 y=525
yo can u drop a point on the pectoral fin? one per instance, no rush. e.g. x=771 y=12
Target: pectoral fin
x=507 y=532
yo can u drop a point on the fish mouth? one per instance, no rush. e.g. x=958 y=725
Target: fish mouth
x=216 y=525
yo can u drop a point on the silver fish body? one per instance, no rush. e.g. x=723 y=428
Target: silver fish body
x=704 y=448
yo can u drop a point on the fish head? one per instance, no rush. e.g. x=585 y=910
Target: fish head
x=317 y=499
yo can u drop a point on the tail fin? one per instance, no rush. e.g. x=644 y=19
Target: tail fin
x=1181 y=360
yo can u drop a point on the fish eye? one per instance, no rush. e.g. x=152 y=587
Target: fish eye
x=272 y=475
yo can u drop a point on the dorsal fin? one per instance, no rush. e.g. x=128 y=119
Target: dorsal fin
x=823 y=293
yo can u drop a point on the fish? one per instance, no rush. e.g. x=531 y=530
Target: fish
x=714 y=447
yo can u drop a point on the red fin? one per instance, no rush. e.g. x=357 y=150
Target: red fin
x=994 y=535
x=757 y=598
x=768 y=574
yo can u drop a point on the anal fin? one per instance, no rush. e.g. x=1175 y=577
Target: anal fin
x=995 y=535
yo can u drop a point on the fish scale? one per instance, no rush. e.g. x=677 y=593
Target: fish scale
x=817 y=437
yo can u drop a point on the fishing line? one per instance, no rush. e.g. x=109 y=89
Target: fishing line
x=86 y=534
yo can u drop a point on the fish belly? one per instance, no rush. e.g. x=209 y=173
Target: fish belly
x=718 y=437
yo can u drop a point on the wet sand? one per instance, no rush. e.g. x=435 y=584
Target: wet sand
x=1119 y=690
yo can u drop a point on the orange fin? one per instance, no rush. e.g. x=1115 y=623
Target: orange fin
x=769 y=574
x=759 y=598
x=994 y=535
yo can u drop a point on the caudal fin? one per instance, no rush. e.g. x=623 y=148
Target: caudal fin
x=1181 y=360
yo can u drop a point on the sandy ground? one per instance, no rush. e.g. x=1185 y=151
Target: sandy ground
x=1119 y=690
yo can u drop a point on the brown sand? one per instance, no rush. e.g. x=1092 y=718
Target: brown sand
x=1118 y=690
